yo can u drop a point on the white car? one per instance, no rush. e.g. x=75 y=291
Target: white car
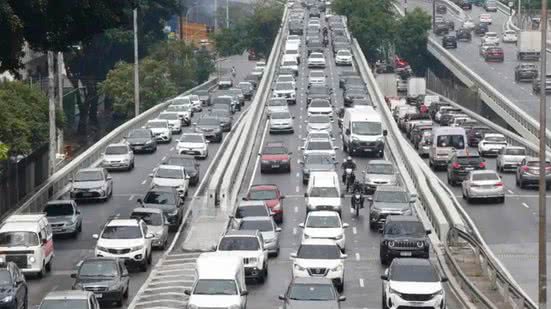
x=483 y=184
x=413 y=280
x=509 y=158
x=491 y=144
x=174 y=121
x=319 y=123
x=343 y=57
x=490 y=38
x=248 y=245
x=261 y=65
x=160 y=129
x=286 y=78
x=193 y=144
x=485 y=18
x=324 y=224
x=319 y=146
x=289 y=62
x=281 y=122
x=468 y=24
x=317 y=77
x=184 y=112
x=277 y=105
x=294 y=38
x=118 y=156
x=319 y=258
x=171 y=176
x=127 y=239
x=285 y=90
x=509 y=36
x=320 y=107
x=196 y=103
x=316 y=60
x=183 y=100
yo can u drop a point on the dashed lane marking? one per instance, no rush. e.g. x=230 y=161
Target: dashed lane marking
x=525 y=205
x=143 y=182
x=357 y=256
x=361 y=282
x=354 y=230
x=131 y=197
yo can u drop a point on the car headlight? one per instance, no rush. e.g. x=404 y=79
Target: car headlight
x=173 y=213
x=393 y=291
x=126 y=160
x=265 y=161
x=355 y=139
x=299 y=268
x=7 y=299
x=100 y=248
x=149 y=142
x=306 y=236
x=136 y=248
x=391 y=243
x=32 y=259
x=337 y=268
x=441 y=292
x=380 y=139
x=420 y=244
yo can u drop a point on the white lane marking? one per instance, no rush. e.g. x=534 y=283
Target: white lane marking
x=297 y=189
x=357 y=256
x=131 y=197
x=258 y=157
x=296 y=208
x=294 y=231
x=164 y=158
x=354 y=230
x=510 y=191
x=298 y=175
x=143 y=182
x=361 y=282
x=298 y=160
x=525 y=205
x=172 y=149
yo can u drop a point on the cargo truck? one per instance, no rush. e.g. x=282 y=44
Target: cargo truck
x=417 y=88
x=529 y=45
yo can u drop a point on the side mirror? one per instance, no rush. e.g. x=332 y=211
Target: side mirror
x=245 y=198
x=282 y=197
x=95 y=236
x=345 y=225
x=342 y=195
x=139 y=201
x=77 y=212
x=344 y=256
x=300 y=162
x=444 y=279
x=428 y=232
x=278 y=229
x=194 y=123
x=301 y=147
x=301 y=225
x=342 y=298
x=149 y=236
x=385 y=132
x=151 y=175
x=293 y=255
x=305 y=194
x=336 y=147
x=282 y=297
x=384 y=277
x=244 y=293
x=370 y=198
x=73 y=275
x=187 y=291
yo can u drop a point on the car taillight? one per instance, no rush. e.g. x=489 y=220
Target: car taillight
x=456 y=165
x=524 y=168
x=499 y=184
x=482 y=165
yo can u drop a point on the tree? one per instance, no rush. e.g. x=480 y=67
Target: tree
x=180 y=61
x=3 y=151
x=205 y=65
x=412 y=36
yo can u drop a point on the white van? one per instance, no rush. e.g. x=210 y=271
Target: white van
x=292 y=49
x=27 y=241
x=219 y=282
x=323 y=192
x=289 y=62
x=444 y=141
x=362 y=131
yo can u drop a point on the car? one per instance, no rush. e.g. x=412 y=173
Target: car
x=494 y=54
x=223 y=116
x=118 y=157
x=275 y=157
x=196 y=104
x=318 y=92
x=194 y=144
x=277 y=105
x=182 y=101
x=418 y=132
x=485 y=18
x=127 y=239
x=210 y=127
x=228 y=103
x=509 y=158
x=490 y=37
x=389 y=200
x=480 y=28
x=319 y=258
x=289 y=63
x=316 y=162
x=536 y=84
x=251 y=209
x=322 y=146
x=324 y=224
x=91 y=184
x=468 y=25
x=247 y=88
x=464 y=35
x=281 y=122
x=106 y=277
x=253 y=79
x=509 y=36
x=174 y=176
x=267 y=227
x=271 y=195
x=237 y=92
x=320 y=107
x=425 y=142
x=413 y=280
x=248 y=245
x=64 y=217
x=141 y=140
x=440 y=28
x=69 y=300
x=475 y=135
x=379 y=173
x=168 y=200
x=184 y=113
x=461 y=162
x=403 y=236
x=525 y=71
x=13 y=286
x=354 y=94
x=174 y=121
x=316 y=60
x=317 y=292
x=490 y=6
x=161 y=130
x=317 y=77
x=528 y=173
x=319 y=123
x=449 y=41
x=343 y=57
x=283 y=78
x=225 y=82
x=285 y=90
x=484 y=48
x=189 y=163
x=204 y=96
x=485 y=185
x=156 y=222
x=491 y=143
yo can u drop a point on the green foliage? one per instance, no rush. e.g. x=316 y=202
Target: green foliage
x=412 y=31
x=180 y=62
x=205 y=65
x=3 y=151
x=228 y=41
x=24 y=117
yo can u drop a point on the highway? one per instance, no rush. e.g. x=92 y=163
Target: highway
x=128 y=187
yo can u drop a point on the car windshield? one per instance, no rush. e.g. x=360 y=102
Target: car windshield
x=277 y=103
x=324 y=192
x=515 y=152
x=289 y=63
x=280 y=115
x=261 y=225
x=272 y=150
x=284 y=86
x=215 y=287
x=169 y=116
x=5 y=278
x=285 y=78
x=318 y=90
x=391 y=196
x=319 y=119
x=366 y=128
x=319 y=145
x=454 y=141
x=17 y=239
x=323 y=222
x=169 y=173
x=320 y=103
x=500 y=139
x=317 y=74
x=178 y=108
x=343 y=53
x=313 y=292
x=116 y=150
x=159 y=197
x=139 y=134
x=316 y=55
x=153 y=219
x=98 y=269
x=485 y=176
x=414 y=273
x=385 y=169
x=156 y=124
x=89 y=176
x=262 y=195
x=251 y=211
x=319 y=252
x=64 y=304
x=229 y=243
x=62 y=209
x=469 y=160
x=208 y=122
x=121 y=232
x=315 y=159
x=491 y=35
x=404 y=228
x=191 y=138
x=528 y=66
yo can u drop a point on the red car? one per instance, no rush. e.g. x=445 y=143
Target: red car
x=275 y=157
x=272 y=196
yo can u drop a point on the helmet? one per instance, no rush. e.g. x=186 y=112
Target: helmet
x=349 y=158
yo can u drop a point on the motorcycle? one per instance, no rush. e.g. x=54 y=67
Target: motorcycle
x=349 y=178
x=357 y=201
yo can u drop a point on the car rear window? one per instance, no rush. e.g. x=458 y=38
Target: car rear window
x=238 y=243
x=485 y=176
x=413 y=273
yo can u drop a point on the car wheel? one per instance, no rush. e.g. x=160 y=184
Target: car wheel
x=340 y=287
x=383 y=300
x=48 y=267
x=501 y=200
x=143 y=266
x=79 y=229
x=42 y=271
x=119 y=302
x=149 y=258
x=125 y=295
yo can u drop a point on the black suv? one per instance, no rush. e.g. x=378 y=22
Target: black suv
x=106 y=277
x=441 y=28
x=480 y=29
x=464 y=35
x=449 y=41
x=13 y=287
x=403 y=236
x=461 y=163
x=169 y=201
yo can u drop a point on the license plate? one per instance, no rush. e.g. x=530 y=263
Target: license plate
x=138 y=147
x=367 y=150
x=99 y=295
x=275 y=165
x=405 y=253
x=86 y=194
x=469 y=169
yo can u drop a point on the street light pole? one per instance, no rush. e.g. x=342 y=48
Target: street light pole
x=433 y=13
x=227 y=13
x=215 y=15
x=51 y=115
x=136 y=66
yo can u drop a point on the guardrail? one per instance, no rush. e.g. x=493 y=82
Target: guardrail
x=58 y=183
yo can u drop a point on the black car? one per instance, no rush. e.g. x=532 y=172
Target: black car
x=403 y=236
x=526 y=71
x=441 y=9
x=465 y=5
x=318 y=92
x=141 y=140
x=247 y=88
x=106 y=277
x=189 y=163
x=461 y=163
x=316 y=163
x=476 y=134
x=536 y=85
x=463 y=35
x=210 y=127
x=351 y=95
x=14 y=293
x=345 y=75
x=253 y=79
x=440 y=28
x=225 y=118
x=341 y=45
x=169 y=201
x=449 y=41
x=311 y=292
x=480 y=29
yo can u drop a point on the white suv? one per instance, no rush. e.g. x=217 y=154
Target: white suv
x=324 y=224
x=248 y=245
x=173 y=176
x=491 y=144
x=319 y=258
x=127 y=239
x=193 y=144
x=160 y=129
x=285 y=90
x=316 y=60
x=413 y=280
x=174 y=121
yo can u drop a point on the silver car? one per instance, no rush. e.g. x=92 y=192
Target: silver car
x=388 y=201
x=379 y=173
x=277 y=105
x=423 y=148
x=509 y=158
x=91 y=184
x=118 y=157
x=319 y=123
x=281 y=122
x=156 y=222
x=64 y=217
x=483 y=184
x=268 y=228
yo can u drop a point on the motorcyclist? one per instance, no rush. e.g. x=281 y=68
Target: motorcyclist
x=233 y=72
x=348 y=164
x=357 y=196
x=324 y=31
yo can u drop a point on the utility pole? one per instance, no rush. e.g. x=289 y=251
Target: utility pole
x=542 y=245
x=433 y=13
x=406 y=6
x=136 y=65
x=227 y=13
x=51 y=114
x=60 y=85
x=215 y=15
